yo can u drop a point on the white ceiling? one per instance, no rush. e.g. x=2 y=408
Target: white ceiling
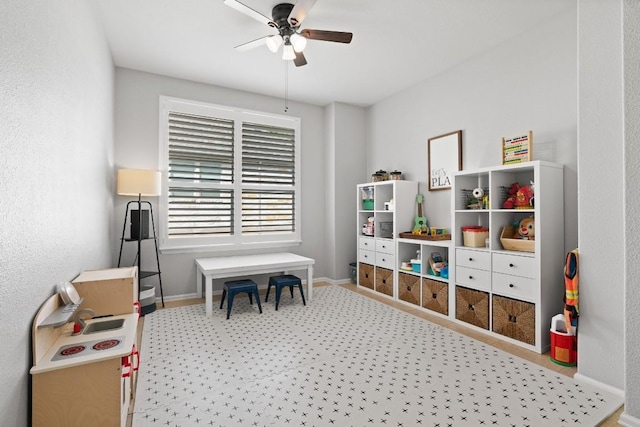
x=396 y=44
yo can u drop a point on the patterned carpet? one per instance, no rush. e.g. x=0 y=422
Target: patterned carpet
x=343 y=360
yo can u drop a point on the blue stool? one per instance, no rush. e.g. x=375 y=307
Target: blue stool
x=238 y=286
x=280 y=282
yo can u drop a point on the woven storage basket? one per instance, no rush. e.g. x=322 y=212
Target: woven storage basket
x=365 y=275
x=435 y=296
x=514 y=319
x=472 y=307
x=384 y=281
x=409 y=288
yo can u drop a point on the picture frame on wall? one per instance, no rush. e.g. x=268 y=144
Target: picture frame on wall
x=517 y=148
x=444 y=159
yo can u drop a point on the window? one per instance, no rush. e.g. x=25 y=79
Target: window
x=230 y=177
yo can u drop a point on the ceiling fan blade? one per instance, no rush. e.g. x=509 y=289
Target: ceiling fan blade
x=300 y=60
x=243 y=8
x=252 y=44
x=329 y=36
x=299 y=11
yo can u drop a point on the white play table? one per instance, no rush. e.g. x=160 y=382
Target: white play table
x=246 y=265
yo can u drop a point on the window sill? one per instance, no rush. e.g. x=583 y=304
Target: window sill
x=229 y=247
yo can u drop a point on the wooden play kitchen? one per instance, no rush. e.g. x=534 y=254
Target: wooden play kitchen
x=84 y=369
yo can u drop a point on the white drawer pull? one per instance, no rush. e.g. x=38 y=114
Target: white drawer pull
x=511 y=265
x=511 y=285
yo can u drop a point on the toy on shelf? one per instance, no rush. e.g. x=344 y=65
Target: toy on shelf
x=478 y=198
x=436 y=264
x=526 y=229
x=519 y=197
x=421 y=226
x=510 y=202
x=369 y=227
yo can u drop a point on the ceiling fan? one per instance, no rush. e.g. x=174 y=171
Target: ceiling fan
x=286 y=20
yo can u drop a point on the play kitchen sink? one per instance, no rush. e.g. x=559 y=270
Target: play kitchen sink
x=103 y=326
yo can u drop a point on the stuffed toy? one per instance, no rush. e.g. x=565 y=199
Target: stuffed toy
x=510 y=203
x=526 y=229
x=524 y=195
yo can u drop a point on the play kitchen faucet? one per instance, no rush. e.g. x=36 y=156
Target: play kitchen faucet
x=79 y=323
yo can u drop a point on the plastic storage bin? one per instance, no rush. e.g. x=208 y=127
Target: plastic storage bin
x=367 y=198
x=474 y=236
x=354 y=272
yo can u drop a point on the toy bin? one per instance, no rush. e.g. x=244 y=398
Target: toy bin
x=511 y=244
x=474 y=236
x=564 y=345
x=416 y=265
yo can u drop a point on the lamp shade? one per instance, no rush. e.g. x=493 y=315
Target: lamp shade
x=273 y=43
x=298 y=42
x=287 y=52
x=134 y=182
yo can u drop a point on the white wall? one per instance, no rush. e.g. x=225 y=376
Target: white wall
x=601 y=193
x=56 y=169
x=345 y=147
x=631 y=28
x=136 y=146
x=528 y=83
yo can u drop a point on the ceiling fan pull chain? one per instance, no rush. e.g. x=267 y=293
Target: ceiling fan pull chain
x=286 y=86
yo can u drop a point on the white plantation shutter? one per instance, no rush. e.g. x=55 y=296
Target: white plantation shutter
x=231 y=176
x=268 y=162
x=200 y=153
x=200 y=212
x=268 y=154
x=200 y=148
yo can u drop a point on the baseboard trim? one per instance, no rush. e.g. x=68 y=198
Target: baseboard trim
x=628 y=421
x=591 y=381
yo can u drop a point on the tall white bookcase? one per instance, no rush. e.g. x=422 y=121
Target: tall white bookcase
x=508 y=293
x=377 y=260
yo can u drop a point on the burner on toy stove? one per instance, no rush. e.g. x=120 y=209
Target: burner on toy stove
x=70 y=351
x=106 y=344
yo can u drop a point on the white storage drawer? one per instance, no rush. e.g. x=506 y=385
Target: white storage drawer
x=386 y=260
x=385 y=245
x=368 y=257
x=473 y=259
x=522 y=288
x=515 y=265
x=368 y=243
x=473 y=278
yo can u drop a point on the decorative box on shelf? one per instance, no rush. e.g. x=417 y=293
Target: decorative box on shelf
x=474 y=236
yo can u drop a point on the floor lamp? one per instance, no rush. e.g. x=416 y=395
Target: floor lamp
x=137 y=182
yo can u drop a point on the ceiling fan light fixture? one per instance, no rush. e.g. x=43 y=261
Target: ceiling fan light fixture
x=299 y=42
x=288 y=53
x=274 y=42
